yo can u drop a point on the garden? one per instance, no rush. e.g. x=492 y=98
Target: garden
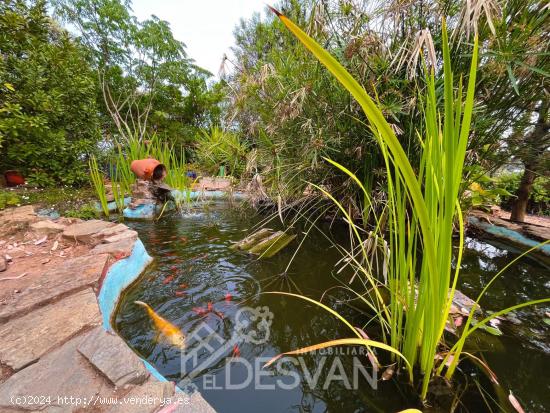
x=352 y=215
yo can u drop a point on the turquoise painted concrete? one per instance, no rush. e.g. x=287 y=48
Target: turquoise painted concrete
x=112 y=205
x=121 y=274
x=506 y=233
x=149 y=211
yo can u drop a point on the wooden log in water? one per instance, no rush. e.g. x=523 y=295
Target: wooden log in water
x=252 y=239
x=272 y=244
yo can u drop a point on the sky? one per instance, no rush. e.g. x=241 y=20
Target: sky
x=205 y=26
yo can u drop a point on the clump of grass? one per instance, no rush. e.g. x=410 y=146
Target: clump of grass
x=421 y=211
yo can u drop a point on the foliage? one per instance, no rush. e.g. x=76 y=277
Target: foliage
x=148 y=83
x=217 y=147
x=421 y=210
x=9 y=198
x=98 y=183
x=539 y=200
x=86 y=211
x=48 y=114
x=60 y=198
x=294 y=114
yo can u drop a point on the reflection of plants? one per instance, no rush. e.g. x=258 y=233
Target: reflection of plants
x=421 y=211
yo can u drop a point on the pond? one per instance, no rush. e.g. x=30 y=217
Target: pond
x=212 y=294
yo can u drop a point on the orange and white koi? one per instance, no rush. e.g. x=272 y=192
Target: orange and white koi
x=170 y=332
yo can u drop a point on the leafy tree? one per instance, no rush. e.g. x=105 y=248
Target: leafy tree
x=148 y=83
x=48 y=114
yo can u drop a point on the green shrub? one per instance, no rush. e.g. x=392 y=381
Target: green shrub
x=8 y=198
x=539 y=201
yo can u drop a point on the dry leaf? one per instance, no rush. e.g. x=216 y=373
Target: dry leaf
x=41 y=240
x=388 y=373
x=55 y=245
x=514 y=402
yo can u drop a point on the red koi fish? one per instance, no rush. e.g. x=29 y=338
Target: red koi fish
x=236 y=351
x=181 y=293
x=199 y=310
x=168 y=279
x=228 y=297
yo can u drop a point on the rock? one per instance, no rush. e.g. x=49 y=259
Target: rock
x=15 y=219
x=112 y=357
x=123 y=248
x=84 y=231
x=107 y=232
x=152 y=390
x=63 y=372
x=70 y=276
x=26 y=339
x=3 y=264
x=130 y=234
x=47 y=227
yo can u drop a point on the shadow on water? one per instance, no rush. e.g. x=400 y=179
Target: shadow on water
x=194 y=267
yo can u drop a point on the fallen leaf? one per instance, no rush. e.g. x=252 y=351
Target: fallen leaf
x=41 y=240
x=54 y=246
x=388 y=373
x=515 y=403
x=458 y=321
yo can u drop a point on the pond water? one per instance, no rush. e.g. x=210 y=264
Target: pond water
x=194 y=271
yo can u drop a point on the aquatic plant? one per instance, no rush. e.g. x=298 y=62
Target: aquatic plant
x=98 y=182
x=421 y=211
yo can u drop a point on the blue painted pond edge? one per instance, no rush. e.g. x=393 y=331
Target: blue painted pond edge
x=119 y=277
x=508 y=234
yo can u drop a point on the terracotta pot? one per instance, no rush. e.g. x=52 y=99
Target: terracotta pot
x=14 y=178
x=148 y=169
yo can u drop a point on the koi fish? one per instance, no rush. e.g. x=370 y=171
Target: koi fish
x=168 y=279
x=170 y=332
x=181 y=293
x=236 y=351
x=228 y=297
x=199 y=310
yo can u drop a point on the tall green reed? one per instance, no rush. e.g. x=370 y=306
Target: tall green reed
x=422 y=209
x=98 y=182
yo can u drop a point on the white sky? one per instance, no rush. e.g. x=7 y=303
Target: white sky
x=205 y=26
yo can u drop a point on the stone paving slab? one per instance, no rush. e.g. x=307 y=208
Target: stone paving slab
x=153 y=390
x=63 y=372
x=26 y=339
x=130 y=234
x=70 y=276
x=47 y=227
x=123 y=247
x=84 y=231
x=113 y=358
